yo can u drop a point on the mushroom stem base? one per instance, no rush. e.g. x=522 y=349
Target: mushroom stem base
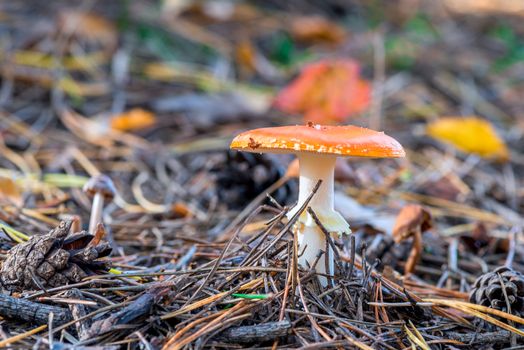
x=312 y=241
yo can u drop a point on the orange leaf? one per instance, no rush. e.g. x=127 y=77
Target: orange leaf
x=326 y=92
x=181 y=209
x=316 y=29
x=134 y=119
x=10 y=191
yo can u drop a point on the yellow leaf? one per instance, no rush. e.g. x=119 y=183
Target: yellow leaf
x=470 y=135
x=134 y=119
x=42 y=60
x=246 y=56
x=82 y=89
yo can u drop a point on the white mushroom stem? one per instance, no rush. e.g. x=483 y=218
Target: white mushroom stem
x=311 y=239
x=96 y=212
x=313 y=168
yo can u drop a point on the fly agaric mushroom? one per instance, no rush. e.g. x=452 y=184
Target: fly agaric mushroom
x=100 y=188
x=317 y=148
x=412 y=221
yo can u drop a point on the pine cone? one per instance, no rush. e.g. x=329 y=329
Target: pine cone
x=488 y=290
x=51 y=260
x=245 y=175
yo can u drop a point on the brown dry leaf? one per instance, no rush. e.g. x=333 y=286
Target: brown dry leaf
x=317 y=29
x=411 y=222
x=134 y=119
x=411 y=218
x=442 y=188
x=470 y=135
x=88 y=26
x=10 y=191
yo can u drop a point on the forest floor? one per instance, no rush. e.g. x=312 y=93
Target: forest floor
x=190 y=255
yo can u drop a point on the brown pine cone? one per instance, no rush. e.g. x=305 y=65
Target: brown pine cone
x=51 y=260
x=488 y=290
x=243 y=176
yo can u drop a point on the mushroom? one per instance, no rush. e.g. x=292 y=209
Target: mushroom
x=412 y=221
x=317 y=148
x=100 y=188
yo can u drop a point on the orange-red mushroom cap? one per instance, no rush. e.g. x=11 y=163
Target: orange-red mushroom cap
x=345 y=140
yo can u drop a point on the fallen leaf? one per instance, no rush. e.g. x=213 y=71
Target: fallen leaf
x=411 y=222
x=476 y=7
x=205 y=12
x=46 y=61
x=96 y=132
x=326 y=92
x=412 y=218
x=441 y=188
x=10 y=191
x=246 y=57
x=88 y=26
x=470 y=135
x=134 y=119
x=317 y=29
x=82 y=89
x=181 y=210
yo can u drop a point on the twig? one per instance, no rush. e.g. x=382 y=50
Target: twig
x=29 y=311
x=257 y=333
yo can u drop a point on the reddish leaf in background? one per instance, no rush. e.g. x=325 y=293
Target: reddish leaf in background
x=326 y=92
